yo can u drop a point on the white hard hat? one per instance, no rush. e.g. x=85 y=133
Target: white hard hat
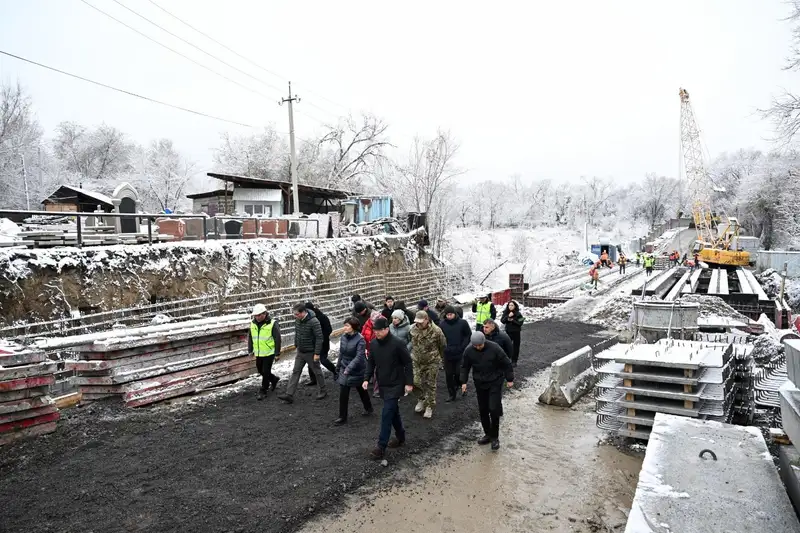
x=259 y=309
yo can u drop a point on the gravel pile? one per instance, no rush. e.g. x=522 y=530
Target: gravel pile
x=714 y=306
x=766 y=349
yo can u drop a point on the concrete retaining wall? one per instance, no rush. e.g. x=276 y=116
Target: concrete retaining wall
x=571 y=377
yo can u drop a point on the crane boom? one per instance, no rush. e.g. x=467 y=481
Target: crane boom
x=712 y=248
x=696 y=172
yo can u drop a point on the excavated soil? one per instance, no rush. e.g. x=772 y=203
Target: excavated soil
x=231 y=463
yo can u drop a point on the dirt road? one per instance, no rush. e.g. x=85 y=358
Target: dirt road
x=551 y=474
x=226 y=464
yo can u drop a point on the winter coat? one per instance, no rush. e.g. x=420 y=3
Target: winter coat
x=368 y=330
x=402 y=331
x=386 y=312
x=400 y=304
x=390 y=358
x=513 y=324
x=327 y=328
x=276 y=334
x=352 y=363
x=427 y=345
x=457 y=334
x=492 y=310
x=501 y=338
x=489 y=366
x=432 y=316
x=308 y=334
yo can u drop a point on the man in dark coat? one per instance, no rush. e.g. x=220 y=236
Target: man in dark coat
x=390 y=361
x=490 y=366
x=308 y=342
x=457 y=333
x=327 y=330
x=388 y=307
x=423 y=306
x=493 y=333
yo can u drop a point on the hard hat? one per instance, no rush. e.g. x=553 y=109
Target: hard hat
x=259 y=309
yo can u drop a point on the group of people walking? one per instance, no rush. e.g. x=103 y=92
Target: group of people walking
x=398 y=350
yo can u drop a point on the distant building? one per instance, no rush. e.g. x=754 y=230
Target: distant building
x=69 y=198
x=270 y=198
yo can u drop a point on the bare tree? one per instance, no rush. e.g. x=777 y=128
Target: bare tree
x=97 y=154
x=785 y=109
x=264 y=155
x=20 y=139
x=166 y=175
x=352 y=149
x=657 y=196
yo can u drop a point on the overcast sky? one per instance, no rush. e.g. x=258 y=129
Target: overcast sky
x=547 y=89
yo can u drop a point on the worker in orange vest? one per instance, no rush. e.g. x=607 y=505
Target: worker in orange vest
x=594 y=273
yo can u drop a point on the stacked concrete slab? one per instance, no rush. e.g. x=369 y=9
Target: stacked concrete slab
x=685 y=378
x=26 y=408
x=790 y=418
x=703 y=476
x=149 y=364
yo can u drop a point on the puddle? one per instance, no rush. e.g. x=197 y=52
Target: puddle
x=551 y=474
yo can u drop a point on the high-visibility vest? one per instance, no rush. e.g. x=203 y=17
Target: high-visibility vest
x=263 y=341
x=483 y=312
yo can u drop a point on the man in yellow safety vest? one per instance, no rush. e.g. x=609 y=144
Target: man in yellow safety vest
x=484 y=310
x=264 y=343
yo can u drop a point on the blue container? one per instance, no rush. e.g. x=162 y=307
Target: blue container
x=379 y=207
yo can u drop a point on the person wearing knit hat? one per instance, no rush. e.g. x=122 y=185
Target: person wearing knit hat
x=457 y=334
x=427 y=349
x=490 y=366
x=400 y=327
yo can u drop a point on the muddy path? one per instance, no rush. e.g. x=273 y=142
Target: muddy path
x=554 y=472
x=228 y=463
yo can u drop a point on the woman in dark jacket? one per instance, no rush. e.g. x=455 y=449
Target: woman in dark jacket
x=400 y=304
x=351 y=368
x=513 y=319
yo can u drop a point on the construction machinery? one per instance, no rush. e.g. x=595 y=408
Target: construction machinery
x=715 y=245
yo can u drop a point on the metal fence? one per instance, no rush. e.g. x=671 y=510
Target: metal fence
x=333 y=298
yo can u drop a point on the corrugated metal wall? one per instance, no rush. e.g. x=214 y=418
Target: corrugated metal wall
x=775 y=259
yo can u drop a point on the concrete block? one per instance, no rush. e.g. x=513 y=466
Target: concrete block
x=790 y=410
x=571 y=377
x=789 y=463
x=738 y=489
x=793 y=360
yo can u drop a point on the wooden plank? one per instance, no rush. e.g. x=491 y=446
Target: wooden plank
x=26 y=383
x=68 y=400
x=34 y=431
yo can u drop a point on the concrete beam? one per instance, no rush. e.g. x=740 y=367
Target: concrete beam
x=694 y=281
x=793 y=360
x=723 y=281
x=571 y=377
x=713 y=285
x=744 y=284
x=679 y=490
x=678 y=288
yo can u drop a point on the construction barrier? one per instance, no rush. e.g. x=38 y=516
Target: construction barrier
x=571 y=377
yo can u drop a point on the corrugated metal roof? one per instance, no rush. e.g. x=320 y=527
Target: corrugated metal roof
x=256 y=195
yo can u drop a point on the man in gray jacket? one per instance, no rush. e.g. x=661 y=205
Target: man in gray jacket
x=308 y=342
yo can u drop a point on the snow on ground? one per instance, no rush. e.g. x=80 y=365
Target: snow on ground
x=538 y=253
x=714 y=306
x=770 y=281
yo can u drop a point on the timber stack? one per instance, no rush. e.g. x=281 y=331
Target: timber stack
x=26 y=408
x=144 y=365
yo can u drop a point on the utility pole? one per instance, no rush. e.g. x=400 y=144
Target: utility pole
x=25 y=180
x=295 y=195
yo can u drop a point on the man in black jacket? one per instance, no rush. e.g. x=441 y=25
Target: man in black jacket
x=327 y=330
x=388 y=307
x=390 y=361
x=423 y=306
x=308 y=342
x=457 y=332
x=493 y=333
x=489 y=365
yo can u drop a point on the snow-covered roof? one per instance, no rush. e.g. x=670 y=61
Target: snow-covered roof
x=102 y=198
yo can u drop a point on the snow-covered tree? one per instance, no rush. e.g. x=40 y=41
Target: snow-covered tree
x=95 y=156
x=164 y=178
x=264 y=155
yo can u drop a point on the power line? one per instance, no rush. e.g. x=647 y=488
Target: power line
x=209 y=54
x=153 y=100
x=207 y=36
x=223 y=76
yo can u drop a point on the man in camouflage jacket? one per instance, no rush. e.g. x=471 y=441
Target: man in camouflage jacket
x=427 y=348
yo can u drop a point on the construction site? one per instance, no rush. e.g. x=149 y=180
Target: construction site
x=656 y=388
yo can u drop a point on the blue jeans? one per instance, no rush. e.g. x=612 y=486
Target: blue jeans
x=390 y=417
